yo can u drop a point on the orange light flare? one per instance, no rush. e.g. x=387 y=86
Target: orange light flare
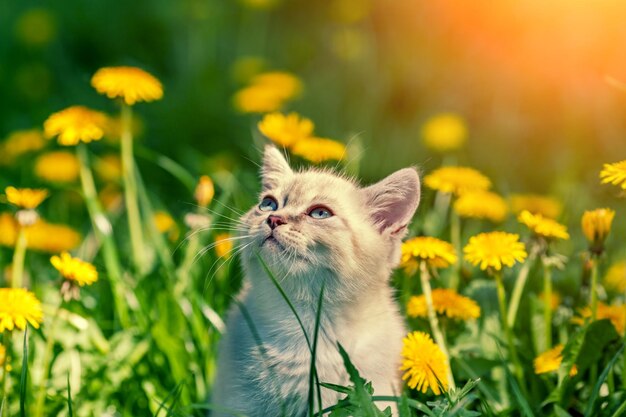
x=564 y=42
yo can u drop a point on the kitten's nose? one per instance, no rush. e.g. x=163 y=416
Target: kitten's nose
x=275 y=221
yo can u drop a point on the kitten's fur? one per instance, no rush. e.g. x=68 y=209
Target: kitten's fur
x=354 y=252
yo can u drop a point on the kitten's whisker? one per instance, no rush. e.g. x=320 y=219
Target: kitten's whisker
x=231 y=256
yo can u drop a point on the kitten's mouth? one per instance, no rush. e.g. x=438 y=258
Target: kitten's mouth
x=271 y=239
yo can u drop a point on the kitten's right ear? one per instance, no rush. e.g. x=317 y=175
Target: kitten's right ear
x=275 y=168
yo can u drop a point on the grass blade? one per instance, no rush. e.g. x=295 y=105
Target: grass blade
x=70 y=411
x=24 y=376
x=313 y=369
x=596 y=390
x=284 y=295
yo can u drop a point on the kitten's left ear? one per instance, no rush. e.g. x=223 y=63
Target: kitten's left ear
x=275 y=167
x=392 y=201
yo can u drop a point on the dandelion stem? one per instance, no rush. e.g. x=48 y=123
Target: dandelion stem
x=130 y=192
x=507 y=331
x=434 y=322
x=455 y=238
x=103 y=230
x=17 y=276
x=518 y=289
x=594 y=287
x=547 y=304
x=47 y=358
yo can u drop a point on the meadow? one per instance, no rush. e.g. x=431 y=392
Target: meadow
x=130 y=141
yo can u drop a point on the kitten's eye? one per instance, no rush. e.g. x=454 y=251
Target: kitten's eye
x=320 y=212
x=268 y=204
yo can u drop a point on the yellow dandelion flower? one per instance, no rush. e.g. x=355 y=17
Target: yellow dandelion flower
x=38 y=236
x=615 y=313
x=76 y=124
x=25 y=198
x=495 y=249
x=19 y=143
x=267 y=92
x=36 y=27
x=457 y=180
x=74 y=269
x=615 y=174
x=444 y=132
x=111 y=197
x=285 y=130
x=555 y=299
x=537 y=204
x=3 y=355
x=424 y=363
x=447 y=303
x=109 y=167
x=132 y=84
x=19 y=307
x=163 y=221
x=260 y=4
x=166 y=224
x=286 y=85
x=204 y=191
x=223 y=245
x=58 y=166
x=481 y=205
x=318 y=150
x=257 y=99
x=615 y=278
x=596 y=226
x=437 y=253
x=350 y=11
x=550 y=361
x=542 y=226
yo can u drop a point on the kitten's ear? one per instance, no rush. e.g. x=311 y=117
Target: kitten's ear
x=275 y=167
x=392 y=201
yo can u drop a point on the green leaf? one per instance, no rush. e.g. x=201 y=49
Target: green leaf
x=559 y=412
x=599 y=334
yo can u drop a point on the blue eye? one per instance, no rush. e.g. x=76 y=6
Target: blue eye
x=320 y=212
x=268 y=204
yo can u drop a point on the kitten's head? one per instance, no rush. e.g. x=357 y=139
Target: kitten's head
x=315 y=224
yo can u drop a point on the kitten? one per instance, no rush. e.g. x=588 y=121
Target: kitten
x=312 y=227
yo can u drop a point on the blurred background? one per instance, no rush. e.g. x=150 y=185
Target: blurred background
x=537 y=83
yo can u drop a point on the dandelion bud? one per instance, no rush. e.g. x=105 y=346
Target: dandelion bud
x=204 y=191
x=596 y=226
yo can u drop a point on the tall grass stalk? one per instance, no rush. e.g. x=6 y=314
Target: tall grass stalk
x=594 y=287
x=455 y=238
x=103 y=229
x=47 y=359
x=130 y=192
x=17 y=274
x=547 y=303
x=518 y=289
x=507 y=330
x=434 y=322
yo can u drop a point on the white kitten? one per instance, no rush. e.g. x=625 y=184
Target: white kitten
x=312 y=227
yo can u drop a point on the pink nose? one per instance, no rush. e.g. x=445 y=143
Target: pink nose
x=275 y=221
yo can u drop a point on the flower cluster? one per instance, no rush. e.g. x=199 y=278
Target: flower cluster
x=295 y=132
x=447 y=303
